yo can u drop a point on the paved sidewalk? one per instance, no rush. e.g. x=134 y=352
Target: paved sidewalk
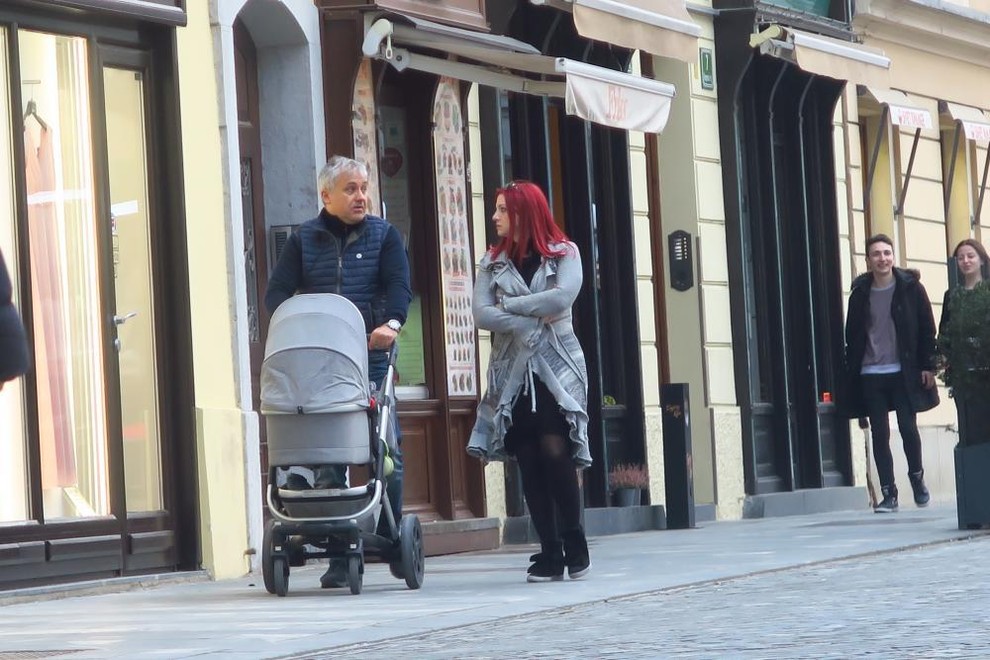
x=238 y=619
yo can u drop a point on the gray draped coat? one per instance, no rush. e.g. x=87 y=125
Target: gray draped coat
x=532 y=336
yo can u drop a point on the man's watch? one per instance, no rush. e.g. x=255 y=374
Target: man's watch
x=394 y=325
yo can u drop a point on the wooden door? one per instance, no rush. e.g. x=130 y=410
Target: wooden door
x=251 y=188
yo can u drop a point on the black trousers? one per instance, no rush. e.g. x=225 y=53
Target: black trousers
x=883 y=393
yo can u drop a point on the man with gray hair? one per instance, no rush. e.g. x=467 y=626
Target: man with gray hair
x=347 y=251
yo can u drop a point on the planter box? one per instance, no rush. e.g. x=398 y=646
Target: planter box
x=627 y=496
x=973 y=485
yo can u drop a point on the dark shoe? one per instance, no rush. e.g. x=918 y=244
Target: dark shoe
x=547 y=567
x=921 y=495
x=889 y=502
x=336 y=575
x=576 y=554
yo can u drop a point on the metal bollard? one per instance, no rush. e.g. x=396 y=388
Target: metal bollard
x=677 y=459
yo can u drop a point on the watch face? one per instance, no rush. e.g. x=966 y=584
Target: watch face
x=395 y=325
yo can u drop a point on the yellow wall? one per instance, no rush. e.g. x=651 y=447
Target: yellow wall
x=494 y=472
x=698 y=320
x=220 y=427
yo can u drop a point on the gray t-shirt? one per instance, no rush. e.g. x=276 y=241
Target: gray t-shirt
x=881 y=336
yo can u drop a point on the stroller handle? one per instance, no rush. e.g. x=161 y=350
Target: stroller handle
x=393 y=351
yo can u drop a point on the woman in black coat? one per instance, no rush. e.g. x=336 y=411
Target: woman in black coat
x=13 y=346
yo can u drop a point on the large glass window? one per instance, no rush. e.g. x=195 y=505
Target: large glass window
x=65 y=268
x=13 y=482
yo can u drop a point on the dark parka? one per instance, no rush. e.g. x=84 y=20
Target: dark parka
x=13 y=346
x=915 y=325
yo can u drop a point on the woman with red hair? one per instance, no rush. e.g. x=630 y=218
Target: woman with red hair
x=535 y=407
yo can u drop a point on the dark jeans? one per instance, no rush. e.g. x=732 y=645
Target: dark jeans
x=882 y=393
x=328 y=476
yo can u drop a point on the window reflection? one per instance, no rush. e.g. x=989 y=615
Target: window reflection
x=62 y=241
x=13 y=482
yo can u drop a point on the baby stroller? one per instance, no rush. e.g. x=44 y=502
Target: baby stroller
x=320 y=410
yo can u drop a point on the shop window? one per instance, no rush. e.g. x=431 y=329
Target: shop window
x=878 y=182
x=66 y=302
x=965 y=132
x=395 y=180
x=13 y=426
x=838 y=10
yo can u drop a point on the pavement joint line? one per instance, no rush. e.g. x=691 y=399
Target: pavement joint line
x=974 y=535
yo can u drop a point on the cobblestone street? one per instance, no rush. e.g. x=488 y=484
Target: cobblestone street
x=924 y=603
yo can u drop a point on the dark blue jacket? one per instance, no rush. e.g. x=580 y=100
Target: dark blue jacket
x=13 y=345
x=366 y=263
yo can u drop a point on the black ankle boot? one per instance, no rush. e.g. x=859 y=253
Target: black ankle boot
x=889 y=502
x=576 y=554
x=921 y=494
x=548 y=565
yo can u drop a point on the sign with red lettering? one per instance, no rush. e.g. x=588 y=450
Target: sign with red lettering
x=909 y=117
x=614 y=98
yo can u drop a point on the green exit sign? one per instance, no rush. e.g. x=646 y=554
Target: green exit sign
x=707 y=66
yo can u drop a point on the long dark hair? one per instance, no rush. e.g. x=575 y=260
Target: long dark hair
x=531 y=225
x=980 y=251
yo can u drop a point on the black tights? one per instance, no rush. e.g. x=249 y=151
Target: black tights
x=549 y=477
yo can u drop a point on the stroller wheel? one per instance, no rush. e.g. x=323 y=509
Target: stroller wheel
x=355 y=576
x=395 y=568
x=274 y=569
x=411 y=545
x=281 y=576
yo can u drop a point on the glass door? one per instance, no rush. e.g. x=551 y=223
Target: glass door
x=133 y=313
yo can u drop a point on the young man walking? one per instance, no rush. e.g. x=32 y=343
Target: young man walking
x=890 y=363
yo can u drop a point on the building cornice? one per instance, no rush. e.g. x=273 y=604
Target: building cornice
x=935 y=26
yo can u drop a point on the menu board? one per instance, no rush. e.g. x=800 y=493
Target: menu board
x=363 y=127
x=456 y=264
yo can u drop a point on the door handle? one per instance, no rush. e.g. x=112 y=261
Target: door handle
x=121 y=320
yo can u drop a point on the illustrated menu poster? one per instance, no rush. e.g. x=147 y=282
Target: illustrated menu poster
x=363 y=127
x=410 y=363
x=455 y=246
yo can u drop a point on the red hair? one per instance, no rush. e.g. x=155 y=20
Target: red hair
x=531 y=225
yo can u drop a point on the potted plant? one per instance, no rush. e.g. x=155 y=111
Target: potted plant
x=627 y=481
x=964 y=347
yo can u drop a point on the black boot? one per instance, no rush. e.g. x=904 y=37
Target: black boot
x=576 y=554
x=336 y=575
x=889 y=502
x=548 y=565
x=921 y=494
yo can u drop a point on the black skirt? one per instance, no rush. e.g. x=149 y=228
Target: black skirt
x=528 y=426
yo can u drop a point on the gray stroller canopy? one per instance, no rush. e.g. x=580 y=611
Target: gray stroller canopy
x=316 y=357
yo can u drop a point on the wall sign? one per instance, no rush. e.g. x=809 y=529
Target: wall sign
x=707 y=66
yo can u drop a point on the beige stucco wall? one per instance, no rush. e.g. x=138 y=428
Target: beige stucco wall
x=220 y=424
x=698 y=320
x=494 y=472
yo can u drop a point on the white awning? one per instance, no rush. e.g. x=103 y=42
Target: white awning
x=975 y=122
x=660 y=27
x=824 y=56
x=594 y=93
x=615 y=99
x=905 y=111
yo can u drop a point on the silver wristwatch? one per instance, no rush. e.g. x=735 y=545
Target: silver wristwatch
x=394 y=325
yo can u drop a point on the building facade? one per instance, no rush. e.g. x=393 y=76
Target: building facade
x=125 y=449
